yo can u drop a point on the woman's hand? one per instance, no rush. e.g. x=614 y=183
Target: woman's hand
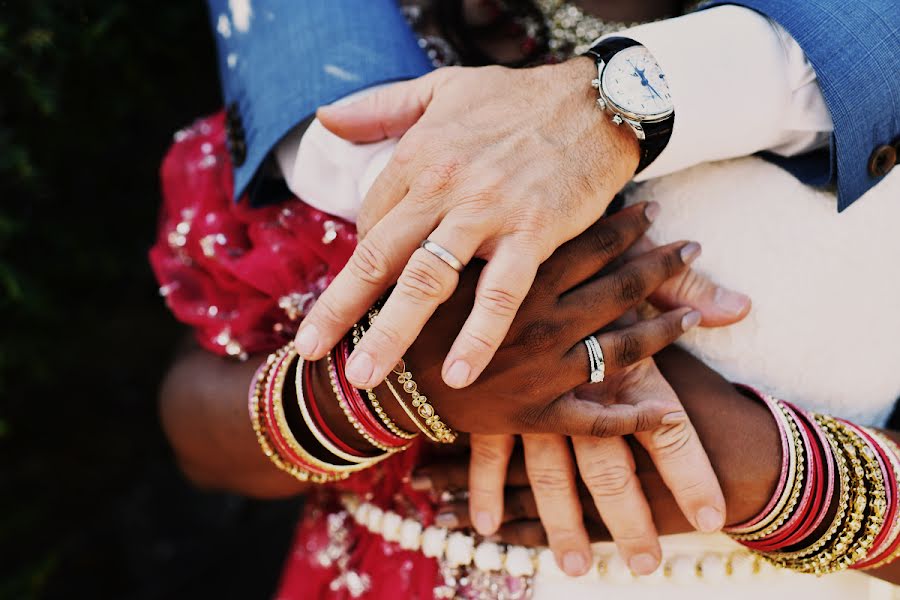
x=499 y=164
x=607 y=469
x=543 y=356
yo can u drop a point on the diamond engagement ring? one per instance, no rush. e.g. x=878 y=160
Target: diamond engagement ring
x=595 y=355
x=443 y=254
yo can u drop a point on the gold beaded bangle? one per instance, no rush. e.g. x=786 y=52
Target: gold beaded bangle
x=314 y=429
x=385 y=419
x=425 y=410
x=260 y=430
x=793 y=489
x=856 y=509
x=843 y=470
x=411 y=414
x=893 y=452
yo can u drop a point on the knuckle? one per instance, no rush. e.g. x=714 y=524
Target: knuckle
x=671 y=441
x=369 y=263
x=671 y=264
x=606 y=480
x=606 y=241
x=549 y=481
x=489 y=454
x=627 y=349
x=325 y=312
x=602 y=425
x=439 y=176
x=539 y=336
x=690 y=287
x=478 y=342
x=498 y=302
x=383 y=337
x=422 y=282
x=629 y=287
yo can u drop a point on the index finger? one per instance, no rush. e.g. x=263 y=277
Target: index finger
x=372 y=268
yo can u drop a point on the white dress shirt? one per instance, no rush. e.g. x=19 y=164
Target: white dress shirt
x=740 y=84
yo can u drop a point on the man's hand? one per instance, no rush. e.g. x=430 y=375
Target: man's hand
x=500 y=164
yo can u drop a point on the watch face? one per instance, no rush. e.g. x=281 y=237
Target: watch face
x=633 y=81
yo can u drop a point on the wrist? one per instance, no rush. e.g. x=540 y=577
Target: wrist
x=612 y=141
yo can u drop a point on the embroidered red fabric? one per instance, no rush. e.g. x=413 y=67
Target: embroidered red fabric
x=242 y=278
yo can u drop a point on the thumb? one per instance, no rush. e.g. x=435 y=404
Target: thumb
x=718 y=305
x=384 y=113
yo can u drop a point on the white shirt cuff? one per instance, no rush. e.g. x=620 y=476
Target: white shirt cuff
x=740 y=84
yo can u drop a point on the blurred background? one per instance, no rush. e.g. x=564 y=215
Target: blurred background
x=91 y=505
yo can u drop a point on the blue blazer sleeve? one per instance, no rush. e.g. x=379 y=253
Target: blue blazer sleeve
x=279 y=60
x=854 y=46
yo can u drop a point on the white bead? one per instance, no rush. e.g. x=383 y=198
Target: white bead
x=518 y=561
x=374 y=520
x=617 y=571
x=460 y=548
x=712 y=568
x=683 y=569
x=741 y=565
x=433 y=542
x=390 y=526
x=362 y=513
x=410 y=535
x=547 y=564
x=488 y=557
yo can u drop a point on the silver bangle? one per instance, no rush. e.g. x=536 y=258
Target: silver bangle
x=595 y=356
x=443 y=254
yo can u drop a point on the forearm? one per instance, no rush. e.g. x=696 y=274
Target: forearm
x=203 y=407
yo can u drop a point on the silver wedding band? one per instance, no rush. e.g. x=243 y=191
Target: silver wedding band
x=443 y=254
x=595 y=356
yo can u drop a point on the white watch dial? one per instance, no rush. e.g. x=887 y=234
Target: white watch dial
x=633 y=82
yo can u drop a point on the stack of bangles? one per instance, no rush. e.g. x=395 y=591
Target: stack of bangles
x=836 y=504
x=290 y=428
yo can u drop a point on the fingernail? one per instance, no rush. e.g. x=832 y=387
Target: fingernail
x=731 y=302
x=690 y=320
x=574 y=563
x=674 y=417
x=652 y=211
x=484 y=522
x=359 y=369
x=458 y=374
x=447 y=520
x=643 y=564
x=710 y=519
x=690 y=252
x=307 y=341
x=420 y=482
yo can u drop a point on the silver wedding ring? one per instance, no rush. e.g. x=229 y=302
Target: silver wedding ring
x=595 y=356
x=443 y=254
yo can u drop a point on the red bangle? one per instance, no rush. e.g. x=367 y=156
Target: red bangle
x=878 y=552
x=793 y=529
x=320 y=421
x=357 y=405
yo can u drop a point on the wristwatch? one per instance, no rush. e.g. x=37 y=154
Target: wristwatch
x=633 y=88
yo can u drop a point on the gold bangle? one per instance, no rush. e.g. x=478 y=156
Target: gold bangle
x=893 y=452
x=383 y=416
x=793 y=489
x=314 y=430
x=411 y=414
x=425 y=410
x=843 y=469
x=335 y=472
x=832 y=558
x=260 y=430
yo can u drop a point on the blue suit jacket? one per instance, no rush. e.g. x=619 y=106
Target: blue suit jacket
x=291 y=56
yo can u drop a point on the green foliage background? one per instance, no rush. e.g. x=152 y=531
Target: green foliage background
x=90 y=504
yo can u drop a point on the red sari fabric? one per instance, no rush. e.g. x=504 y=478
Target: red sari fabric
x=242 y=278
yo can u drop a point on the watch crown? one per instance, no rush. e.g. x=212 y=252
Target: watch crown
x=595 y=83
x=617 y=120
x=601 y=103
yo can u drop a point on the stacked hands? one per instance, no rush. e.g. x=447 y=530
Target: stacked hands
x=479 y=187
